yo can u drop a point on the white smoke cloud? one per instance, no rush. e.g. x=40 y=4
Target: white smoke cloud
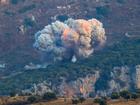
x=73 y=38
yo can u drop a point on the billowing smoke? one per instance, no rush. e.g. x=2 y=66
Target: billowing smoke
x=72 y=39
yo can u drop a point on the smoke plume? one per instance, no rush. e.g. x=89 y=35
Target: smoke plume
x=81 y=86
x=72 y=39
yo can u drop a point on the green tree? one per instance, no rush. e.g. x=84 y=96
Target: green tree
x=134 y=96
x=12 y=94
x=81 y=99
x=32 y=99
x=100 y=101
x=125 y=94
x=75 y=101
x=97 y=100
x=115 y=95
x=103 y=102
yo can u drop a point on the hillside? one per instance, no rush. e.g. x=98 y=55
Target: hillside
x=125 y=53
x=21 y=19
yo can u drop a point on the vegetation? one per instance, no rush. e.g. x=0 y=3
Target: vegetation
x=49 y=96
x=134 y=96
x=81 y=99
x=78 y=100
x=32 y=99
x=28 y=22
x=22 y=101
x=97 y=100
x=75 y=101
x=103 y=102
x=100 y=101
x=115 y=95
x=12 y=94
x=125 y=94
x=126 y=52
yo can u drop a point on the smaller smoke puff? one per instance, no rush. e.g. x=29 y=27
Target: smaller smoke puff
x=83 y=86
x=72 y=39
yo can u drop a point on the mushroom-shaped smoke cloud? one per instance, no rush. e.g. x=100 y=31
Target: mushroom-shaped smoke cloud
x=72 y=39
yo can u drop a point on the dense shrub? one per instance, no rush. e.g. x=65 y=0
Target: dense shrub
x=28 y=22
x=134 y=96
x=138 y=91
x=103 y=102
x=75 y=101
x=12 y=94
x=97 y=100
x=49 y=96
x=81 y=99
x=115 y=95
x=32 y=99
x=100 y=101
x=125 y=94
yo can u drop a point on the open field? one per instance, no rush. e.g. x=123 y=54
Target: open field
x=90 y=102
x=67 y=102
x=124 y=102
x=61 y=101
